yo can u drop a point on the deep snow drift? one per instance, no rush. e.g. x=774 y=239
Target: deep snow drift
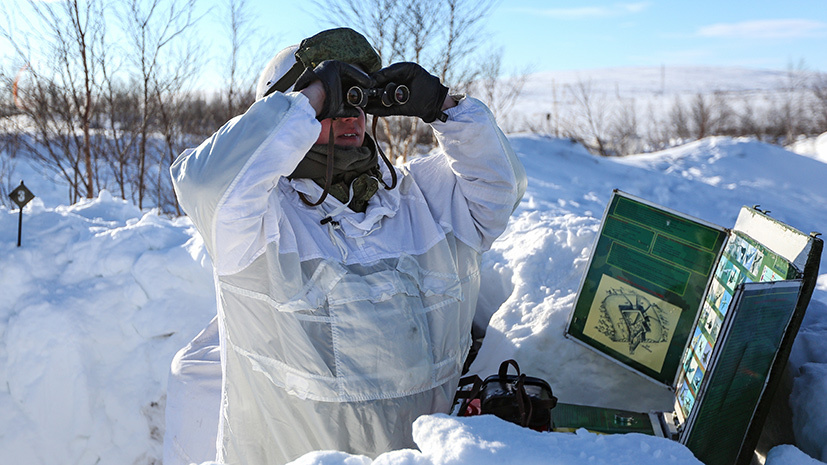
x=100 y=297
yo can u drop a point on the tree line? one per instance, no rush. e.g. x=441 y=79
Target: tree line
x=611 y=123
x=105 y=98
x=98 y=96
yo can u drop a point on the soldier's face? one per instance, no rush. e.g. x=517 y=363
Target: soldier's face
x=349 y=132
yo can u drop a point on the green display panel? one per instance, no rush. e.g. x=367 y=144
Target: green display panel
x=743 y=260
x=645 y=284
x=754 y=327
x=571 y=417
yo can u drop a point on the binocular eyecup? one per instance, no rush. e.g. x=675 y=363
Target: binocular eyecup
x=390 y=95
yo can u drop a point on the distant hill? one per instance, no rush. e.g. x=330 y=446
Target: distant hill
x=555 y=102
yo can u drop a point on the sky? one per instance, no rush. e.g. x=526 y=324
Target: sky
x=543 y=35
x=568 y=35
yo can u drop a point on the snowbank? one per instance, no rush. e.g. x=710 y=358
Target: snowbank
x=814 y=147
x=91 y=315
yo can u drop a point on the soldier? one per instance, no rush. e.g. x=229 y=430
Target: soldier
x=346 y=286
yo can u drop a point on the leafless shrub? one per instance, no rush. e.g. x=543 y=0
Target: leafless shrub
x=818 y=88
x=9 y=140
x=589 y=120
x=657 y=134
x=623 y=129
x=724 y=119
x=679 y=120
x=500 y=93
x=747 y=123
x=700 y=114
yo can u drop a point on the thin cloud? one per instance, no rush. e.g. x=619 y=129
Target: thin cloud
x=635 y=7
x=766 y=29
x=589 y=11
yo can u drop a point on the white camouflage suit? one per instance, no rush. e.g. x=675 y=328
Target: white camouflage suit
x=338 y=336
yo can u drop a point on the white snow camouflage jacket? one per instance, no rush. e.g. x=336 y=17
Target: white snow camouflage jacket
x=337 y=336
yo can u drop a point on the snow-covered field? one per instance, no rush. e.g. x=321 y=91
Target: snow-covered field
x=101 y=295
x=553 y=102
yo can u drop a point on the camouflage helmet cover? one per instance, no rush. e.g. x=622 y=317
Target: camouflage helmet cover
x=343 y=44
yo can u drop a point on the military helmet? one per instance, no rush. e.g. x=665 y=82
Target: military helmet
x=343 y=44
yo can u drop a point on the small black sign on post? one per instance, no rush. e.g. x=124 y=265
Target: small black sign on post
x=21 y=195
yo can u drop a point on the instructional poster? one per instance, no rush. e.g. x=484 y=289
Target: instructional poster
x=630 y=321
x=645 y=285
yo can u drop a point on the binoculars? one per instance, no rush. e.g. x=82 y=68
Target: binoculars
x=390 y=95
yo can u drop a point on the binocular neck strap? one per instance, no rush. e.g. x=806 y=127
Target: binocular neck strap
x=328 y=174
x=384 y=158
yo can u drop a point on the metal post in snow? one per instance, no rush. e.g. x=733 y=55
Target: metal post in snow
x=21 y=195
x=19 y=227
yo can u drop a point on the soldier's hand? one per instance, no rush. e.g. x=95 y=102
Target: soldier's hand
x=334 y=76
x=427 y=94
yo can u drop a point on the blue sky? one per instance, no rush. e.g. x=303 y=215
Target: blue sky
x=548 y=35
x=568 y=35
x=575 y=35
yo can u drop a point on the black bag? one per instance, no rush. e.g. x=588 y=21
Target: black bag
x=524 y=400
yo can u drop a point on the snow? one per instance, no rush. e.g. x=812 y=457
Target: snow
x=101 y=295
x=91 y=315
x=812 y=147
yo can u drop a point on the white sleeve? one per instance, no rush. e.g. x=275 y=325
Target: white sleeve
x=224 y=184
x=474 y=182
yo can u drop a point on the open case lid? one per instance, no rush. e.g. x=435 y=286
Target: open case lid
x=756 y=324
x=781 y=238
x=744 y=260
x=804 y=251
x=646 y=279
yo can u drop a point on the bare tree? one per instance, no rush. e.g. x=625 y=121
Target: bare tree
x=119 y=99
x=240 y=76
x=463 y=32
x=152 y=26
x=85 y=33
x=170 y=93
